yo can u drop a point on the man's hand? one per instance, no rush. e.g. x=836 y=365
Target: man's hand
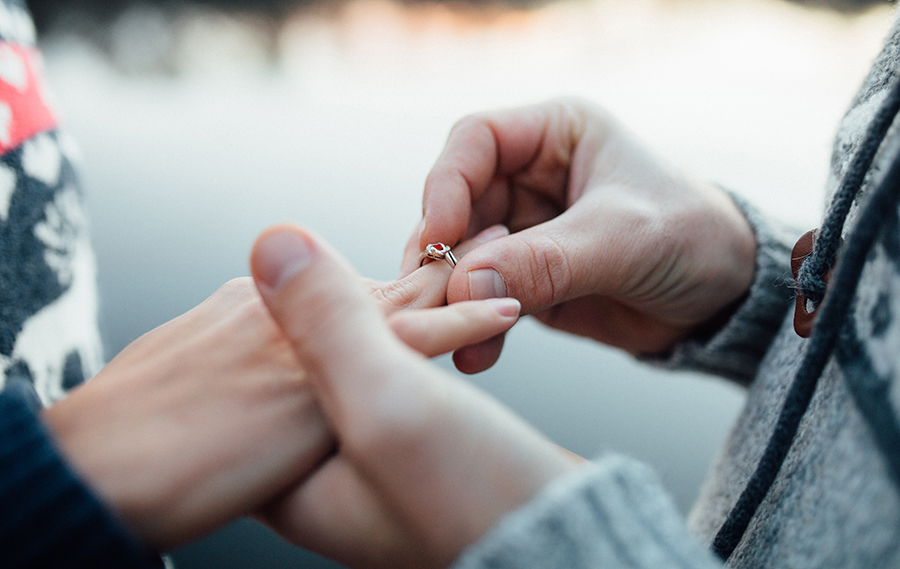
x=424 y=463
x=608 y=241
x=415 y=311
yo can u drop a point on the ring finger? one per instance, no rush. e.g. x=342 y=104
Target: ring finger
x=427 y=286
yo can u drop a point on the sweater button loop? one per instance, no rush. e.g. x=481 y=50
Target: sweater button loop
x=804 y=317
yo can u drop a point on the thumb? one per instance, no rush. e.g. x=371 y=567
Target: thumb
x=322 y=307
x=540 y=266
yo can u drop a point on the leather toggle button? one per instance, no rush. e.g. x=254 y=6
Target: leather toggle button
x=803 y=317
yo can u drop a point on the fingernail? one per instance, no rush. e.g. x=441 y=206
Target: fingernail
x=486 y=283
x=491 y=233
x=506 y=307
x=280 y=256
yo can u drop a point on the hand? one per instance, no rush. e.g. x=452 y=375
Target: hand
x=209 y=416
x=608 y=241
x=424 y=463
x=196 y=422
x=415 y=311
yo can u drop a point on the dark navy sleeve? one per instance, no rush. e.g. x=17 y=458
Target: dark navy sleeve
x=50 y=518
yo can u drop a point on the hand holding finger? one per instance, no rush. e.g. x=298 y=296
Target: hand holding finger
x=490 y=157
x=219 y=388
x=406 y=431
x=426 y=287
x=294 y=270
x=436 y=331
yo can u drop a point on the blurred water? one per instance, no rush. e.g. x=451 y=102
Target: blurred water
x=196 y=142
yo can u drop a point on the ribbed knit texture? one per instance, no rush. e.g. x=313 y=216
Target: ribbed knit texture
x=608 y=514
x=50 y=519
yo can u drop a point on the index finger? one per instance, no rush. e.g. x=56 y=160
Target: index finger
x=480 y=149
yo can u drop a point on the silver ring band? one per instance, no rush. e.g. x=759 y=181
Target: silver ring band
x=436 y=252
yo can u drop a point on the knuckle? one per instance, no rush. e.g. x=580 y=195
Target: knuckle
x=469 y=121
x=397 y=294
x=472 y=131
x=237 y=286
x=582 y=108
x=231 y=298
x=549 y=270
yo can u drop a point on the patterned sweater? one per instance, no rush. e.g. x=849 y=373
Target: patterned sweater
x=49 y=340
x=810 y=476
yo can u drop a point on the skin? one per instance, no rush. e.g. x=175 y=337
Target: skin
x=211 y=416
x=424 y=463
x=608 y=240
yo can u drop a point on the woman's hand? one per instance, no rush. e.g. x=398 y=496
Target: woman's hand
x=196 y=422
x=608 y=241
x=424 y=463
x=210 y=415
x=416 y=311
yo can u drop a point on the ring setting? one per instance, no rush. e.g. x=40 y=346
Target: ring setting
x=437 y=252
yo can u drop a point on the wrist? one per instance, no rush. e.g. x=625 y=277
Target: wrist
x=730 y=264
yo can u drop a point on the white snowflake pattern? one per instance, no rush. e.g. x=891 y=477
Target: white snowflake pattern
x=5 y=123
x=61 y=228
x=42 y=159
x=12 y=68
x=16 y=25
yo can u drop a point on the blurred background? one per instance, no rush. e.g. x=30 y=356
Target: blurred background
x=202 y=123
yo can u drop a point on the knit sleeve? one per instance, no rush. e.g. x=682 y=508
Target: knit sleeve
x=735 y=350
x=612 y=514
x=50 y=519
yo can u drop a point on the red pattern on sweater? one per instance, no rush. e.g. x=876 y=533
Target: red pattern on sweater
x=24 y=111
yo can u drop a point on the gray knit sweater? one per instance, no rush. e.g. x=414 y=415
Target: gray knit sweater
x=835 y=498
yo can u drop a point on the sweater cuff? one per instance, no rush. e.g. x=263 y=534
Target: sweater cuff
x=613 y=513
x=51 y=519
x=735 y=350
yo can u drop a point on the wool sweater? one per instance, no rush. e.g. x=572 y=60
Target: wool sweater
x=49 y=339
x=810 y=475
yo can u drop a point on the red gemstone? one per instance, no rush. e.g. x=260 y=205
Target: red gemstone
x=439 y=247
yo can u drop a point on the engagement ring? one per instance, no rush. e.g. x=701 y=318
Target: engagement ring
x=437 y=251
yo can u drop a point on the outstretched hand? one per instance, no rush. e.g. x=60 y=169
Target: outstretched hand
x=210 y=416
x=608 y=241
x=424 y=463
